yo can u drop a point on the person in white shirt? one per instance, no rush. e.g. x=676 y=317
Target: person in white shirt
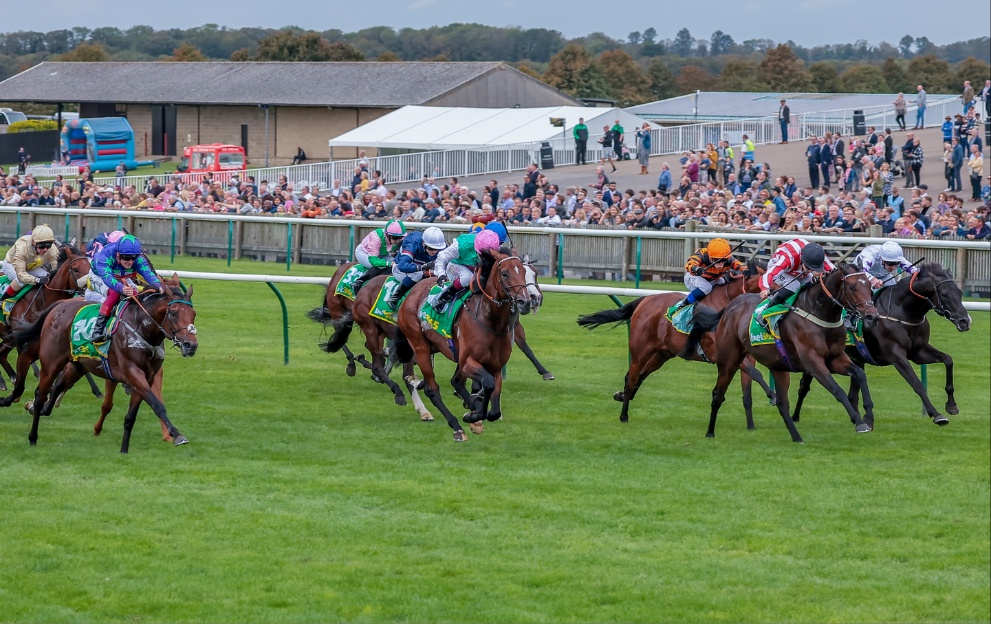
x=552 y=219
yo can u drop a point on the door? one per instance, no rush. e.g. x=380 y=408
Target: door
x=244 y=138
x=163 y=128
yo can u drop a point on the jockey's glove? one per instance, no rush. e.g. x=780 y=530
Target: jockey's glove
x=698 y=271
x=426 y=266
x=41 y=281
x=441 y=280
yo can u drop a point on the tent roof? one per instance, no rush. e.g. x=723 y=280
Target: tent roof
x=439 y=128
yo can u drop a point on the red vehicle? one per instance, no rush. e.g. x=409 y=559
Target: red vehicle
x=215 y=157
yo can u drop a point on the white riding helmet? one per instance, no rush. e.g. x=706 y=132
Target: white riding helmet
x=433 y=237
x=891 y=252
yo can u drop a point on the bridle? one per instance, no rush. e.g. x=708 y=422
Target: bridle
x=509 y=290
x=68 y=264
x=174 y=336
x=938 y=306
x=858 y=309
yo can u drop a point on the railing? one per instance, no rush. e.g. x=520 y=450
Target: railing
x=634 y=255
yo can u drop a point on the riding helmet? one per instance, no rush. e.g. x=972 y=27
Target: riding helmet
x=395 y=229
x=486 y=240
x=129 y=246
x=499 y=229
x=719 y=248
x=814 y=258
x=433 y=237
x=891 y=252
x=43 y=234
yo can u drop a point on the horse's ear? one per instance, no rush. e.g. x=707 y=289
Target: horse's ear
x=526 y=259
x=175 y=276
x=189 y=294
x=72 y=241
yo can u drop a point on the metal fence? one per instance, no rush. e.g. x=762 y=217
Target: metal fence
x=559 y=252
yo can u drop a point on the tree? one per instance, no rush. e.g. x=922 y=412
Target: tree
x=973 y=70
x=924 y=46
x=286 y=45
x=187 y=53
x=242 y=55
x=863 y=78
x=528 y=69
x=741 y=75
x=683 y=43
x=575 y=71
x=720 y=43
x=649 y=36
x=86 y=53
x=895 y=76
x=634 y=38
x=662 y=84
x=930 y=72
x=783 y=71
x=824 y=78
x=388 y=57
x=693 y=78
x=628 y=84
x=905 y=45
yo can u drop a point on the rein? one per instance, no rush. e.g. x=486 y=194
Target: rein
x=68 y=263
x=825 y=289
x=476 y=278
x=938 y=307
x=175 y=341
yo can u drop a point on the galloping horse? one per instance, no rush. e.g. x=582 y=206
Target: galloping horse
x=653 y=340
x=536 y=300
x=336 y=312
x=376 y=331
x=71 y=271
x=134 y=357
x=812 y=340
x=482 y=338
x=901 y=335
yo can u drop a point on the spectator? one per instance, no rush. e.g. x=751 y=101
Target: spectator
x=300 y=156
x=978 y=229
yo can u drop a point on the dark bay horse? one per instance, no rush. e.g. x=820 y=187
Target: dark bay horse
x=901 y=335
x=482 y=338
x=653 y=340
x=65 y=283
x=336 y=312
x=134 y=356
x=376 y=331
x=812 y=335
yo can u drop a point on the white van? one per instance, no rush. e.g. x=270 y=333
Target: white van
x=8 y=116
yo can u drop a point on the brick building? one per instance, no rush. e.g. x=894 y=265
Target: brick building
x=279 y=105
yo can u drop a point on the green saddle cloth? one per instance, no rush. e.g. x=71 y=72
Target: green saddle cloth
x=381 y=309
x=855 y=337
x=442 y=321
x=345 y=287
x=682 y=320
x=8 y=304
x=82 y=328
x=773 y=314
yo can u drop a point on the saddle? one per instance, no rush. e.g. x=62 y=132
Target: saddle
x=442 y=321
x=82 y=329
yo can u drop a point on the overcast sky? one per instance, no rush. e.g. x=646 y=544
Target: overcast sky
x=807 y=22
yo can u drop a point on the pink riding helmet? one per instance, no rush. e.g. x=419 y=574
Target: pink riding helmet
x=486 y=240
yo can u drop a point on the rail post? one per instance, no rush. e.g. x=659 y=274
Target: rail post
x=230 y=240
x=66 y=226
x=18 y=232
x=285 y=323
x=172 y=243
x=351 y=243
x=639 y=252
x=560 y=258
x=288 y=246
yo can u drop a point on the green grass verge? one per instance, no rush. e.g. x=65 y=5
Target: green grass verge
x=306 y=495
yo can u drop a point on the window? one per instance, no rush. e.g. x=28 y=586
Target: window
x=231 y=160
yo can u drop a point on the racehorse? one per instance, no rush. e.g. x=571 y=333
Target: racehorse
x=536 y=300
x=482 y=338
x=376 y=331
x=66 y=281
x=134 y=357
x=812 y=340
x=653 y=340
x=901 y=335
x=336 y=312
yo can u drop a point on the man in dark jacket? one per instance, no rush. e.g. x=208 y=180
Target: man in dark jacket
x=812 y=156
x=825 y=160
x=784 y=117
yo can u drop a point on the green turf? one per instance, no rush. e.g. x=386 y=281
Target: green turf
x=305 y=495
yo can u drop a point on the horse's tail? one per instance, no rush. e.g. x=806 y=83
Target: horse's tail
x=24 y=333
x=402 y=348
x=617 y=316
x=704 y=320
x=320 y=315
x=342 y=331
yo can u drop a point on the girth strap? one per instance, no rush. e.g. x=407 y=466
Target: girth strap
x=815 y=319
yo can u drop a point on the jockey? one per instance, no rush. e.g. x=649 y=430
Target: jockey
x=113 y=268
x=883 y=263
x=706 y=267
x=793 y=265
x=30 y=261
x=500 y=231
x=458 y=259
x=377 y=251
x=102 y=240
x=415 y=258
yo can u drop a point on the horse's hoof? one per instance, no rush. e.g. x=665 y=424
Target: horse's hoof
x=426 y=417
x=351 y=370
x=494 y=417
x=619 y=396
x=751 y=428
x=941 y=420
x=952 y=410
x=477 y=428
x=548 y=376
x=180 y=440
x=471 y=418
x=460 y=436
x=400 y=400
x=28 y=405
x=710 y=435
x=863 y=428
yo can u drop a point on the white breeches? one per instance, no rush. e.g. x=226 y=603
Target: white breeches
x=791 y=283
x=460 y=273
x=697 y=281
x=399 y=275
x=11 y=272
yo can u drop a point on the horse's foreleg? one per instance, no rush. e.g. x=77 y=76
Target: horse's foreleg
x=929 y=354
x=41 y=396
x=93 y=387
x=24 y=359
x=351 y=368
x=905 y=369
x=65 y=380
x=129 y=419
x=411 y=382
x=746 y=382
x=782 y=381
x=804 y=386
x=461 y=389
x=750 y=368
x=495 y=402
x=723 y=380
x=4 y=350
x=520 y=339
x=424 y=361
x=842 y=365
x=141 y=389
x=379 y=373
x=35 y=370
x=107 y=406
x=156 y=386
x=473 y=369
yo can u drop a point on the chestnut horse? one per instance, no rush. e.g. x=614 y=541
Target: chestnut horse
x=812 y=337
x=482 y=338
x=336 y=312
x=653 y=340
x=134 y=356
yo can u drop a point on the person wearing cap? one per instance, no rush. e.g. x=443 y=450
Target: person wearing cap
x=415 y=258
x=31 y=259
x=792 y=267
x=707 y=267
x=378 y=250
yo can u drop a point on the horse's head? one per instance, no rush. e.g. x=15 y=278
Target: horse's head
x=506 y=280
x=536 y=295
x=853 y=291
x=757 y=268
x=179 y=316
x=935 y=284
x=72 y=269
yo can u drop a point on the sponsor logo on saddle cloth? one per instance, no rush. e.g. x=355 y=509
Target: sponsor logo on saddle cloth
x=773 y=314
x=82 y=329
x=855 y=338
x=380 y=309
x=345 y=287
x=682 y=320
x=8 y=304
x=442 y=322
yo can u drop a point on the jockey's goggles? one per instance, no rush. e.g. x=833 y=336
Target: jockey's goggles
x=44 y=245
x=890 y=264
x=127 y=257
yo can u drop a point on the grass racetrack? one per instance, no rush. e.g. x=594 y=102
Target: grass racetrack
x=305 y=495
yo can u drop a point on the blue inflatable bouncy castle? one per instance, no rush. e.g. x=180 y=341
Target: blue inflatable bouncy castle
x=102 y=143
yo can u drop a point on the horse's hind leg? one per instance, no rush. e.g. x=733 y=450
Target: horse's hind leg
x=106 y=407
x=65 y=380
x=24 y=359
x=129 y=419
x=929 y=354
x=432 y=390
x=782 y=381
x=804 y=386
x=141 y=389
x=351 y=368
x=93 y=387
x=41 y=393
x=411 y=383
x=641 y=366
x=4 y=350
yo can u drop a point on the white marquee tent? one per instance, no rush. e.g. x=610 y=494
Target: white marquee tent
x=430 y=128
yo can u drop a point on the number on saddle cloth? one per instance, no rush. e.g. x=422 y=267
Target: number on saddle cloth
x=345 y=287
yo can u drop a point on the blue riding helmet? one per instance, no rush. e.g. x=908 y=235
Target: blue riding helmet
x=129 y=246
x=499 y=229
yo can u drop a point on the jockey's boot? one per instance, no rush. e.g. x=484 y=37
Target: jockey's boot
x=99 y=333
x=367 y=275
x=7 y=293
x=780 y=296
x=397 y=295
x=681 y=304
x=446 y=296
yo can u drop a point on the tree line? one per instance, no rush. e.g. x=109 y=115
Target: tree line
x=639 y=69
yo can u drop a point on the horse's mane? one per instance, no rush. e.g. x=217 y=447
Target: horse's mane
x=63 y=252
x=935 y=268
x=753 y=264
